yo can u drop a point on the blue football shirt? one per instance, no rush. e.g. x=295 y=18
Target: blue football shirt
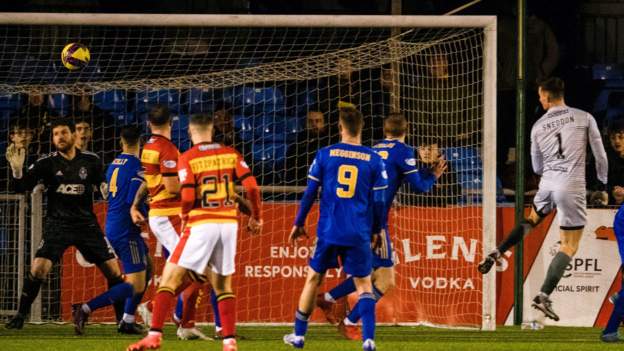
x=350 y=177
x=400 y=163
x=124 y=177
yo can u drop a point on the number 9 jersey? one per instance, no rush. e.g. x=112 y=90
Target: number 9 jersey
x=350 y=177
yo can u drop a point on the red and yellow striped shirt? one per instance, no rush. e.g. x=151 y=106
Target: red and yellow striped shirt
x=207 y=172
x=160 y=159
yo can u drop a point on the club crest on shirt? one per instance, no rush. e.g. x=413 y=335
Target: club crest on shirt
x=82 y=173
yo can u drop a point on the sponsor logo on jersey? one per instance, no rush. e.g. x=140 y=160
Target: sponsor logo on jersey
x=169 y=163
x=182 y=174
x=58 y=174
x=205 y=147
x=82 y=173
x=244 y=164
x=71 y=189
x=410 y=161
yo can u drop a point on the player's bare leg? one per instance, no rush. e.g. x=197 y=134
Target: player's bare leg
x=222 y=285
x=305 y=308
x=514 y=237
x=570 y=239
x=32 y=283
x=172 y=278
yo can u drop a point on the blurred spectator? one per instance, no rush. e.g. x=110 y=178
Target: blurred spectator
x=84 y=134
x=21 y=136
x=95 y=129
x=300 y=155
x=615 y=155
x=37 y=117
x=448 y=107
x=447 y=189
x=224 y=125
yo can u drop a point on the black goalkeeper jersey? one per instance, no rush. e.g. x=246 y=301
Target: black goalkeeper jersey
x=69 y=185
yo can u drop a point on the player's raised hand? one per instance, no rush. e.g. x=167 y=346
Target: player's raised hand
x=16 y=156
x=137 y=216
x=440 y=167
x=254 y=226
x=296 y=233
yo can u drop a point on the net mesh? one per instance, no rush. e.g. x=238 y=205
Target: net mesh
x=275 y=95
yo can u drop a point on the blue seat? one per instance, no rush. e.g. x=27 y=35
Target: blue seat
x=111 y=100
x=10 y=102
x=271 y=155
x=122 y=118
x=255 y=100
x=198 y=101
x=146 y=99
x=59 y=103
x=271 y=128
x=179 y=132
x=463 y=159
x=302 y=102
x=294 y=126
x=245 y=127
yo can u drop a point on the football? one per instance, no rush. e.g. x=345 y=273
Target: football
x=75 y=56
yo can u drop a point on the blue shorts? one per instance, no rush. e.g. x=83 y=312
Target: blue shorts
x=356 y=260
x=132 y=252
x=618 y=228
x=382 y=257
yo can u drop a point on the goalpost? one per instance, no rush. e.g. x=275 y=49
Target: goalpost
x=282 y=78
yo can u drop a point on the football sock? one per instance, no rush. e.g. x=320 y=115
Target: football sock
x=346 y=287
x=162 y=304
x=29 y=293
x=179 y=307
x=189 y=297
x=355 y=315
x=132 y=303
x=118 y=305
x=516 y=235
x=227 y=309
x=128 y=318
x=118 y=292
x=301 y=323
x=555 y=272
x=366 y=305
x=616 y=316
x=215 y=309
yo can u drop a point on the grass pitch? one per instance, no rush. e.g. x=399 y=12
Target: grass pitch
x=50 y=337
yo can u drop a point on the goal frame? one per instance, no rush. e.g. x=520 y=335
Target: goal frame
x=487 y=23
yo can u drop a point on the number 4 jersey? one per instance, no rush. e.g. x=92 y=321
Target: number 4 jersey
x=558 y=148
x=124 y=176
x=207 y=172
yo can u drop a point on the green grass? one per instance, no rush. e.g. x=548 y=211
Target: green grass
x=320 y=338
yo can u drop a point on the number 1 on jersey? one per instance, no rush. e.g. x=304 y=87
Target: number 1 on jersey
x=560 y=151
x=347 y=176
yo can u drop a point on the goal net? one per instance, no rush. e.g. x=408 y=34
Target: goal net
x=275 y=84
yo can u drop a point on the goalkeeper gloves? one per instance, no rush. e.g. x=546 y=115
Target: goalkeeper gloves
x=16 y=157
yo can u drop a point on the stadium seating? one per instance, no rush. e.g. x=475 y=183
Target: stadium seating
x=11 y=102
x=111 y=100
x=268 y=100
x=144 y=100
x=179 y=132
x=59 y=104
x=198 y=101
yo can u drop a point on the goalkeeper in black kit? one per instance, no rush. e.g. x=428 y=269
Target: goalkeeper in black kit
x=70 y=177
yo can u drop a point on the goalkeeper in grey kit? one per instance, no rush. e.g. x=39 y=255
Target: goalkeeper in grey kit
x=558 y=149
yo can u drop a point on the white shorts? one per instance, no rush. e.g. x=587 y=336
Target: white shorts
x=166 y=228
x=211 y=244
x=570 y=205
